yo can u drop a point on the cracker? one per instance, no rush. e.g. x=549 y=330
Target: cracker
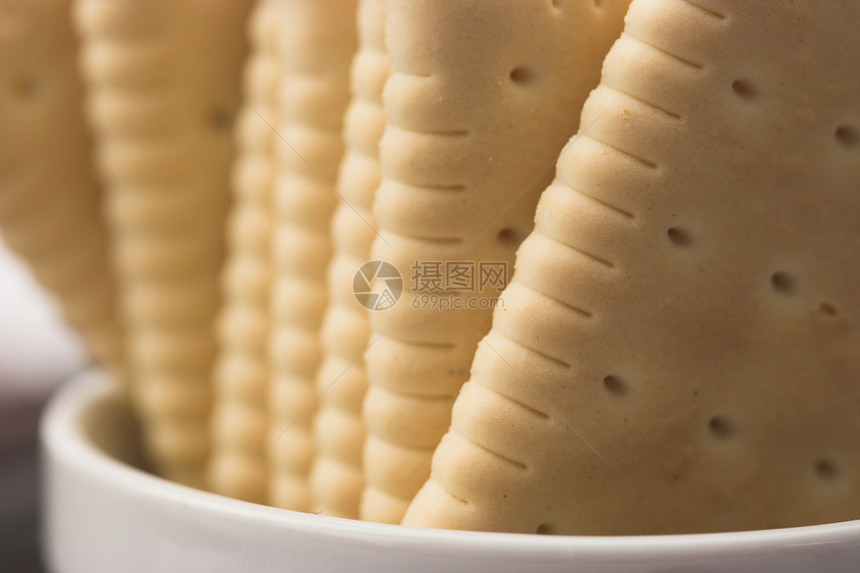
x=239 y=419
x=679 y=347
x=481 y=98
x=50 y=210
x=163 y=84
x=336 y=476
x=316 y=45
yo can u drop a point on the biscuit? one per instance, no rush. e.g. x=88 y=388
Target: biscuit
x=50 y=203
x=678 y=351
x=163 y=82
x=317 y=42
x=338 y=431
x=237 y=466
x=481 y=98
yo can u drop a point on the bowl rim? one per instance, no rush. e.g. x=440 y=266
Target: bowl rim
x=63 y=438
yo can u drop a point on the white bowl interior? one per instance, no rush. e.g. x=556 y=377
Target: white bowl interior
x=103 y=513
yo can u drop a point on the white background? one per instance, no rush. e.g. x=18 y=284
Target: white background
x=37 y=350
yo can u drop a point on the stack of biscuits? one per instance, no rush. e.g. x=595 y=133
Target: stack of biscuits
x=541 y=266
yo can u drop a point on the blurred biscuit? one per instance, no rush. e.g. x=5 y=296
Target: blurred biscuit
x=163 y=85
x=50 y=203
x=315 y=47
x=336 y=477
x=239 y=421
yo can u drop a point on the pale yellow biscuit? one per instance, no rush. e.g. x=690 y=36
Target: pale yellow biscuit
x=50 y=202
x=481 y=98
x=679 y=347
x=316 y=45
x=239 y=421
x=163 y=83
x=336 y=477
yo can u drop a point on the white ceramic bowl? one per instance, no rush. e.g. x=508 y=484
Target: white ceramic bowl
x=103 y=514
